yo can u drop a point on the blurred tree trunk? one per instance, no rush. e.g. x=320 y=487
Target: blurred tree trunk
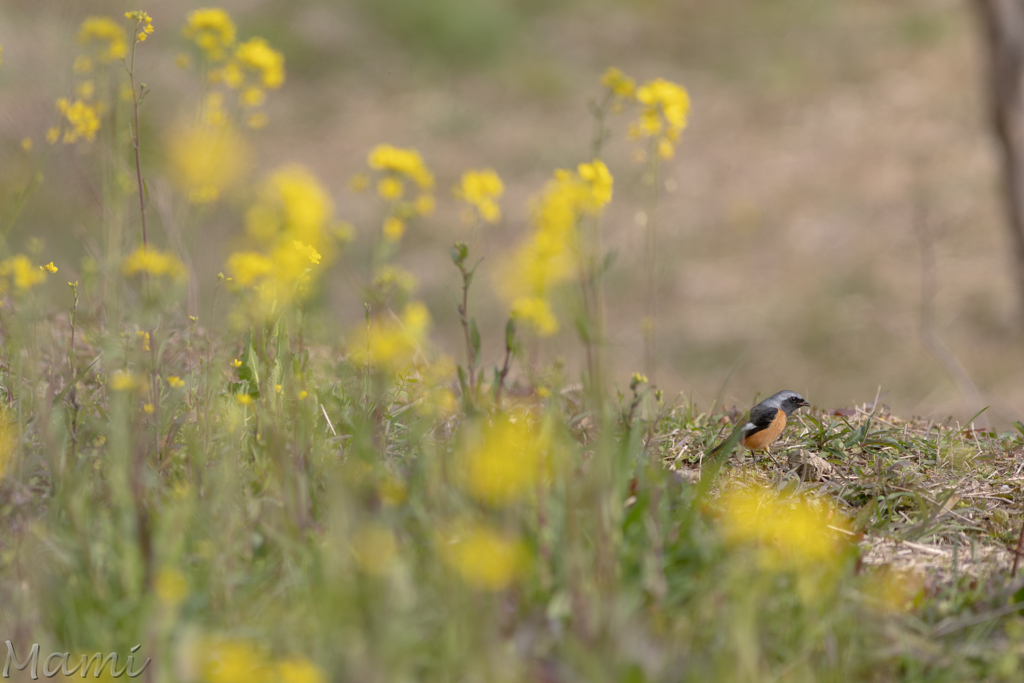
x=1003 y=22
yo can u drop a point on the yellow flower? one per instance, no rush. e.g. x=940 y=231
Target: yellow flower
x=207 y=160
x=252 y=96
x=26 y=144
x=256 y=55
x=394 y=228
x=407 y=162
x=148 y=408
x=49 y=267
x=637 y=379
x=390 y=188
x=303 y=394
x=243 y=399
x=790 y=533
x=175 y=382
x=374 y=548
x=108 y=37
x=52 y=135
x=666 y=106
x=236 y=363
x=212 y=31
x=620 y=84
x=293 y=205
x=143 y=24
x=170 y=586
x=86 y=89
x=8 y=439
x=18 y=271
x=122 y=380
x=482 y=557
x=599 y=180
x=389 y=342
x=504 y=460
x=424 y=204
x=233 y=661
x=82 y=118
x=481 y=189
x=298 y=670
x=309 y=252
x=536 y=312
x=153 y=262
x=248 y=267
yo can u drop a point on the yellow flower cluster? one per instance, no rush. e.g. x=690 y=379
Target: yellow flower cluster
x=399 y=166
x=18 y=272
x=666 y=106
x=82 y=119
x=212 y=31
x=549 y=255
x=143 y=24
x=153 y=262
x=618 y=83
x=208 y=158
x=505 y=459
x=105 y=37
x=483 y=558
x=239 y=661
x=481 y=190
x=790 y=533
x=251 y=67
x=392 y=343
x=289 y=222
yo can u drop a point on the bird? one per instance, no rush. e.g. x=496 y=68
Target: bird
x=767 y=420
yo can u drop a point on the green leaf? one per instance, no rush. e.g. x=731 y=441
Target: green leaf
x=474 y=340
x=249 y=371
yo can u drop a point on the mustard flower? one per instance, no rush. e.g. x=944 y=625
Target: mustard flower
x=394 y=228
x=504 y=460
x=143 y=24
x=248 y=267
x=83 y=120
x=19 y=272
x=208 y=159
x=407 y=162
x=49 y=268
x=390 y=188
x=390 y=342
x=483 y=558
x=233 y=661
x=175 y=382
x=153 y=262
x=267 y=63
x=106 y=36
x=122 y=380
x=620 y=85
x=212 y=31
x=481 y=190
x=666 y=106
x=298 y=670
x=293 y=205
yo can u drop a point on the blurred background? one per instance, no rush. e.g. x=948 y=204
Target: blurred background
x=825 y=138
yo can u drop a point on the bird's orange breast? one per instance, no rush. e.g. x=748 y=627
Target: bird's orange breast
x=764 y=438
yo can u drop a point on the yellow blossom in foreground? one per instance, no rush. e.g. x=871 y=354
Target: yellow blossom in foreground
x=175 y=382
x=536 y=312
x=293 y=205
x=83 y=120
x=212 y=30
x=482 y=557
x=19 y=272
x=121 y=380
x=153 y=262
x=248 y=267
x=481 y=190
x=148 y=408
x=49 y=267
x=391 y=342
x=790 y=532
x=394 y=228
x=207 y=160
x=298 y=670
x=106 y=35
x=374 y=548
x=390 y=188
x=170 y=586
x=618 y=83
x=504 y=459
x=407 y=162
x=233 y=661
x=257 y=56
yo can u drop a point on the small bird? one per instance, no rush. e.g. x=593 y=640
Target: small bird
x=767 y=420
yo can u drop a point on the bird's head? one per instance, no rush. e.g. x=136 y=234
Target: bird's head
x=789 y=401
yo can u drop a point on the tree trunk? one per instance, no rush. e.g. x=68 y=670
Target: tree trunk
x=1003 y=22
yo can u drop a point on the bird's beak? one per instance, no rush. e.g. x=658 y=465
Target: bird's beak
x=804 y=403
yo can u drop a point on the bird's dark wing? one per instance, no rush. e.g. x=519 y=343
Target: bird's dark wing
x=761 y=417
